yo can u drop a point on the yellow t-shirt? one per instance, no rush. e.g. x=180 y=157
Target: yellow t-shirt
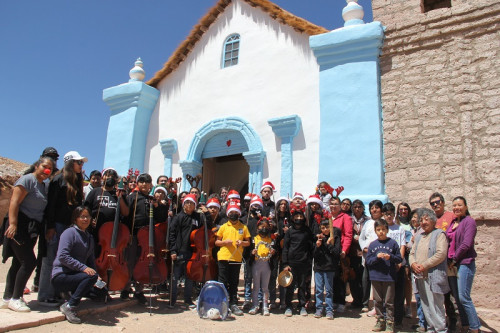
x=262 y=250
x=235 y=232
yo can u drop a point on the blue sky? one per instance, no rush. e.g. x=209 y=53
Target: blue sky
x=57 y=56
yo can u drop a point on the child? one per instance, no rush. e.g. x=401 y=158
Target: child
x=297 y=251
x=261 y=269
x=381 y=259
x=231 y=237
x=326 y=263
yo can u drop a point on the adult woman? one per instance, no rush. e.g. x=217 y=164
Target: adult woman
x=102 y=201
x=342 y=221
x=403 y=219
x=346 y=205
x=74 y=266
x=461 y=253
x=65 y=194
x=356 y=254
x=280 y=227
x=26 y=208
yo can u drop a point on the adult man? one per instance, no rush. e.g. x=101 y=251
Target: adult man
x=428 y=262
x=266 y=192
x=162 y=180
x=444 y=218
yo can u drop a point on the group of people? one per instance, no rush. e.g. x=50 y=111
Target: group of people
x=394 y=252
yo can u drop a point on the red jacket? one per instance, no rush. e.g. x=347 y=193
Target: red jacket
x=344 y=223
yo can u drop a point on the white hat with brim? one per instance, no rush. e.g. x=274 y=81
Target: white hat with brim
x=75 y=156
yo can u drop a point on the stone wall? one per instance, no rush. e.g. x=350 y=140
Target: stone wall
x=440 y=87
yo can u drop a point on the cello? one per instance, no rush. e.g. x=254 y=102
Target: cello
x=202 y=265
x=150 y=267
x=111 y=264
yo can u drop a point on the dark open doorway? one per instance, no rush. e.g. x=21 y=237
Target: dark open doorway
x=229 y=171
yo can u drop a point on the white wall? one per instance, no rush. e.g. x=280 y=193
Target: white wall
x=277 y=75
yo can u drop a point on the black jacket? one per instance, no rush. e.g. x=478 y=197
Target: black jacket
x=327 y=256
x=180 y=230
x=297 y=246
x=58 y=210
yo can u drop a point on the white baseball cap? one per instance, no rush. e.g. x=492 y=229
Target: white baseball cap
x=74 y=155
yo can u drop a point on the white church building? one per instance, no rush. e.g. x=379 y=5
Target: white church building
x=255 y=93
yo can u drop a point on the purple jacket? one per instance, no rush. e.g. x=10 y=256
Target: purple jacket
x=464 y=240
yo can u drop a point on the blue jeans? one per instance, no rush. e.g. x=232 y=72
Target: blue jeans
x=78 y=283
x=465 y=278
x=324 y=283
x=248 y=280
x=46 y=290
x=420 y=312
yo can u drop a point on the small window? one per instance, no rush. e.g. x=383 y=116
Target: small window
x=428 y=5
x=231 y=51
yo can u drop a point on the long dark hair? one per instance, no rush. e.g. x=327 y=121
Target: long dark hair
x=35 y=165
x=74 y=182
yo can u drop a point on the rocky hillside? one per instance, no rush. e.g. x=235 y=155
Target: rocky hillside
x=10 y=171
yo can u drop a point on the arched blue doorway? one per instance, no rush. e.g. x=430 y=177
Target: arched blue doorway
x=222 y=137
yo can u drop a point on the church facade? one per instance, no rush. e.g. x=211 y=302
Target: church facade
x=253 y=94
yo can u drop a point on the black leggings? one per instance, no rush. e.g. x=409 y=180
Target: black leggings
x=23 y=264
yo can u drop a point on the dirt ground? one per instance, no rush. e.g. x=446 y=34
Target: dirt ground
x=136 y=318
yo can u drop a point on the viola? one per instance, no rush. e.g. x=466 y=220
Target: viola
x=111 y=263
x=151 y=267
x=202 y=265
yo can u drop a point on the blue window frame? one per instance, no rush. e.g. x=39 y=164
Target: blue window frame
x=231 y=51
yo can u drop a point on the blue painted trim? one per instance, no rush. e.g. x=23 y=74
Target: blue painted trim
x=351 y=146
x=286 y=128
x=131 y=107
x=221 y=126
x=168 y=148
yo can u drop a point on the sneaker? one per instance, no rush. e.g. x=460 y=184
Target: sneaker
x=253 y=310
x=389 y=327
x=141 y=299
x=329 y=315
x=70 y=313
x=190 y=304
x=125 y=294
x=4 y=303
x=236 y=310
x=372 y=313
x=408 y=313
x=303 y=312
x=379 y=326
x=318 y=313
x=288 y=312
x=26 y=291
x=341 y=308
x=365 y=309
x=49 y=303
x=18 y=305
x=247 y=304
x=265 y=311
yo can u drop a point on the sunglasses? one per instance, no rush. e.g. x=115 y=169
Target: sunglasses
x=435 y=203
x=79 y=162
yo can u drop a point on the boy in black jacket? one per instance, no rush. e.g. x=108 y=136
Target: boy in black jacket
x=297 y=250
x=326 y=263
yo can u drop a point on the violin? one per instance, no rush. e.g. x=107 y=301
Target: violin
x=150 y=267
x=202 y=265
x=111 y=263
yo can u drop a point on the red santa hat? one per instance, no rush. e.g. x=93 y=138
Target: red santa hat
x=248 y=196
x=233 y=194
x=213 y=202
x=256 y=200
x=267 y=184
x=189 y=197
x=281 y=199
x=233 y=206
x=298 y=195
x=315 y=199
